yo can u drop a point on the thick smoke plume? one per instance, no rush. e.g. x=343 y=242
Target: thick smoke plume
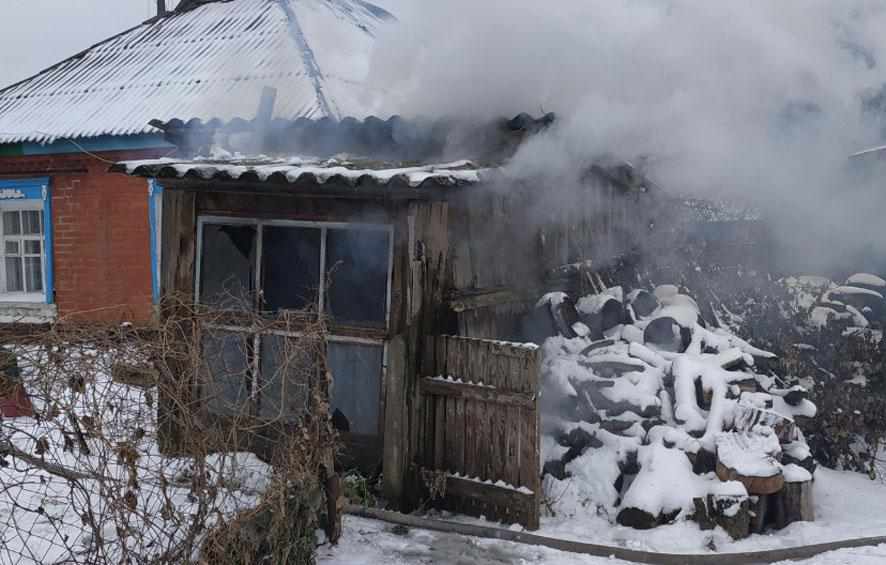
x=762 y=101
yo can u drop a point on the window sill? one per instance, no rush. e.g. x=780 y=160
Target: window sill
x=14 y=312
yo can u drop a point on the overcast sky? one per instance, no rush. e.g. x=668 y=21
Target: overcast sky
x=37 y=33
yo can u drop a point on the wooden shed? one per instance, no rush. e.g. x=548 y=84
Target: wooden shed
x=425 y=274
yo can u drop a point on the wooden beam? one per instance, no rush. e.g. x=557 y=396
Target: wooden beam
x=468 y=391
x=395 y=437
x=489 y=493
x=312 y=190
x=473 y=300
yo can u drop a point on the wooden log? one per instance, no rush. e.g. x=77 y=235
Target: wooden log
x=731 y=513
x=610 y=369
x=754 y=485
x=759 y=506
x=793 y=504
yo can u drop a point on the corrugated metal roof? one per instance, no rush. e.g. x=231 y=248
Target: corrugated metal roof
x=210 y=62
x=306 y=171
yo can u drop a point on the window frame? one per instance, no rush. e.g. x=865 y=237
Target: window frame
x=356 y=335
x=31 y=194
x=324 y=227
x=20 y=238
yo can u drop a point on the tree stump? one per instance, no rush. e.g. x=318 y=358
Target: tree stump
x=754 y=485
x=758 y=507
x=793 y=503
x=751 y=458
x=732 y=513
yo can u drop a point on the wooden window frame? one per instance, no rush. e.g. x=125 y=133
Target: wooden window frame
x=358 y=335
x=25 y=295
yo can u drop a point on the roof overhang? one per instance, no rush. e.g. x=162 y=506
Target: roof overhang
x=331 y=178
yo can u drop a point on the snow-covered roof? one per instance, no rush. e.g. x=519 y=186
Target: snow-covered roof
x=209 y=62
x=303 y=171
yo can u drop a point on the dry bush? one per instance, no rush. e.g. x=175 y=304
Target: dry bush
x=152 y=446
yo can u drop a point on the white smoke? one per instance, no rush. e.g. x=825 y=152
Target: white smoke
x=760 y=99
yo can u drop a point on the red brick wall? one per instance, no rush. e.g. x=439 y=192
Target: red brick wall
x=101 y=235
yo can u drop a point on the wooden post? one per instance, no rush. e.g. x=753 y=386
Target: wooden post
x=396 y=440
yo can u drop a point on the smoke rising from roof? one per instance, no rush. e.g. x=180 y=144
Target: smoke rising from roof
x=757 y=100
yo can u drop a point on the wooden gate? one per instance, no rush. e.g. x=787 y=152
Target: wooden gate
x=480 y=431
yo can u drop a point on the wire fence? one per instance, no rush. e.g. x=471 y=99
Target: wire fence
x=175 y=445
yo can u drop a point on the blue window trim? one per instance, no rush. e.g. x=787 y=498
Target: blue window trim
x=36 y=189
x=155 y=219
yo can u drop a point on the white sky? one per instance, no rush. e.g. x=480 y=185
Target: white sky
x=35 y=34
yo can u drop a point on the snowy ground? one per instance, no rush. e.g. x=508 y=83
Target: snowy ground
x=369 y=542
x=848 y=505
x=40 y=513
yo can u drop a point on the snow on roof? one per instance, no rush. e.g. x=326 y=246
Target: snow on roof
x=209 y=62
x=295 y=170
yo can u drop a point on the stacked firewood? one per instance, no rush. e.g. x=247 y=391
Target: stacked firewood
x=660 y=416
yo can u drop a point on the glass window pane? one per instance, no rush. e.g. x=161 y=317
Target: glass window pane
x=356 y=386
x=357 y=264
x=227 y=389
x=287 y=369
x=12 y=248
x=31 y=222
x=11 y=223
x=227 y=268
x=14 y=277
x=32 y=246
x=34 y=274
x=290 y=267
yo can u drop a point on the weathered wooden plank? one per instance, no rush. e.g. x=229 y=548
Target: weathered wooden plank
x=512 y=458
x=528 y=455
x=459 y=435
x=441 y=365
x=471 y=431
x=486 y=449
x=484 y=298
x=480 y=362
x=394 y=463
x=439 y=430
x=498 y=417
x=456 y=358
x=493 y=396
x=494 y=498
x=179 y=243
x=429 y=432
x=450 y=434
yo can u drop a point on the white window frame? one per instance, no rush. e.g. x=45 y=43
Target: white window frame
x=323 y=227
x=23 y=296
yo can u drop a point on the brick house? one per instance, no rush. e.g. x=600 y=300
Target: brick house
x=78 y=240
